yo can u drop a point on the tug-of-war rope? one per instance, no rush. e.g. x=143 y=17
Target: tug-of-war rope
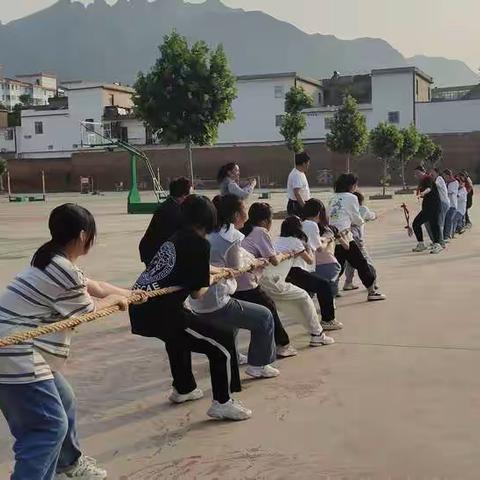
x=73 y=322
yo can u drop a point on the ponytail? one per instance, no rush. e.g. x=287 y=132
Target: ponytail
x=247 y=228
x=259 y=212
x=66 y=223
x=44 y=255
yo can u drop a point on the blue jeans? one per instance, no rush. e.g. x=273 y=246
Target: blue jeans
x=249 y=316
x=449 y=223
x=458 y=222
x=330 y=272
x=41 y=418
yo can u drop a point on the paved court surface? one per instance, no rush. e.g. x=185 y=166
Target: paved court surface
x=397 y=397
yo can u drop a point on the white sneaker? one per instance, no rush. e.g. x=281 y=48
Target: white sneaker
x=437 y=248
x=321 y=340
x=267 y=371
x=286 y=351
x=349 y=287
x=176 y=397
x=420 y=247
x=84 y=469
x=230 y=410
x=333 y=325
x=242 y=359
x=375 y=296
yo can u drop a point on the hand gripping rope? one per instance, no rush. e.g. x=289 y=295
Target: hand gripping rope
x=73 y=322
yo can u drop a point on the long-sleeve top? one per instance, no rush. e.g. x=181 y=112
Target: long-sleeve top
x=344 y=211
x=229 y=186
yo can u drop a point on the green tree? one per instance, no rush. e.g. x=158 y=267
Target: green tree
x=3 y=170
x=385 y=143
x=187 y=94
x=26 y=100
x=435 y=157
x=410 y=146
x=294 y=121
x=426 y=149
x=348 y=133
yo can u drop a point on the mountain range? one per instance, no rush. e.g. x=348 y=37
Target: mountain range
x=112 y=43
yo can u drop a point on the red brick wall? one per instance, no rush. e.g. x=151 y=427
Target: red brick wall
x=272 y=163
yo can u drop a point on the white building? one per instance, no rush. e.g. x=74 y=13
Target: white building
x=38 y=86
x=56 y=131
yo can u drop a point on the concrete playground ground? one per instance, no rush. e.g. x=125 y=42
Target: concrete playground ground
x=397 y=396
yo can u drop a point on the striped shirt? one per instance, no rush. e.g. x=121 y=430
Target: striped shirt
x=35 y=298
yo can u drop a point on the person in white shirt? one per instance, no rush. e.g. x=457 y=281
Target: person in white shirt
x=452 y=188
x=459 y=219
x=358 y=233
x=298 y=190
x=444 y=200
x=344 y=213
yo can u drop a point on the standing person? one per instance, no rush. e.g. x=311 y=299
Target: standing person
x=219 y=309
x=358 y=233
x=293 y=238
x=452 y=188
x=166 y=220
x=428 y=214
x=298 y=190
x=228 y=178
x=444 y=201
x=256 y=245
x=291 y=301
x=344 y=211
x=321 y=241
x=459 y=219
x=469 y=187
x=184 y=260
x=35 y=398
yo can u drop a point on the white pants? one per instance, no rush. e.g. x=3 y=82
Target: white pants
x=293 y=303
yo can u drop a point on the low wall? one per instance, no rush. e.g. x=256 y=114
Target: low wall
x=271 y=162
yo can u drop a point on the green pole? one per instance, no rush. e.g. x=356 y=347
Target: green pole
x=133 y=194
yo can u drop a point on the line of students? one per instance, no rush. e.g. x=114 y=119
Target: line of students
x=188 y=241
x=446 y=199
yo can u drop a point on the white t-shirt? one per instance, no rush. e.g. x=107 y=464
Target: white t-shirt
x=442 y=190
x=344 y=211
x=462 y=200
x=298 y=179
x=314 y=239
x=453 y=193
x=292 y=244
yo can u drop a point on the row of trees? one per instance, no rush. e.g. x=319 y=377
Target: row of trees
x=349 y=136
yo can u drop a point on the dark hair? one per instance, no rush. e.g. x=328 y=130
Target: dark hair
x=224 y=171
x=292 y=227
x=258 y=212
x=227 y=206
x=314 y=207
x=360 y=197
x=66 y=222
x=448 y=172
x=180 y=187
x=198 y=211
x=420 y=168
x=302 y=158
x=436 y=170
x=345 y=182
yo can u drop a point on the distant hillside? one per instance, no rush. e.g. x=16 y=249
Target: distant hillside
x=113 y=43
x=445 y=72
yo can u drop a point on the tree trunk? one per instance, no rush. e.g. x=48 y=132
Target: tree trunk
x=190 y=160
x=348 y=163
x=384 y=176
x=402 y=173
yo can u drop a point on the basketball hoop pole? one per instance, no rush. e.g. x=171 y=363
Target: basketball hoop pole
x=43 y=185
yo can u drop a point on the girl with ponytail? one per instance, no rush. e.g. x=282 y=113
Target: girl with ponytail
x=36 y=400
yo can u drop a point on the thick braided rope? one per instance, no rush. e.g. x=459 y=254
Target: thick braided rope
x=73 y=322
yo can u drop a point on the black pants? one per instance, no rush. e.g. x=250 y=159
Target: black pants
x=315 y=285
x=259 y=297
x=218 y=346
x=426 y=217
x=356 y=259
x=294 y=208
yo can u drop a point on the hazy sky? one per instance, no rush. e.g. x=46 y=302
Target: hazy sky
x=446 y=28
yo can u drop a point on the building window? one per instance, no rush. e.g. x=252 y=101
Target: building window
x=279 y=120
x=38 y=128
x=112 y=99
x=89 y=126
x=394 y=117
x=9 y=134
x=279 y=92
x=328 y=123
